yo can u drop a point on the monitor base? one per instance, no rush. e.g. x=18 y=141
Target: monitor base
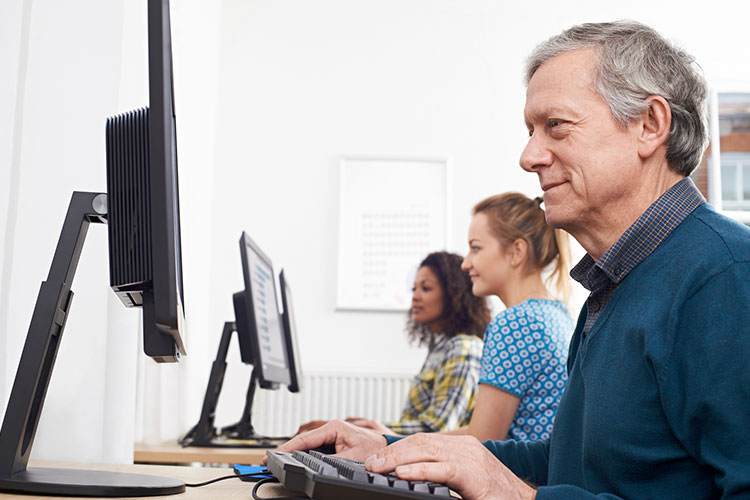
x=260 y=442
x=77 y=482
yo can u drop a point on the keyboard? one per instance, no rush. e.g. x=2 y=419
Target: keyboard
x=325 y=477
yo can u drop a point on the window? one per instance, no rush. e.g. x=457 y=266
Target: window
x=734 y=145
x=735 y=180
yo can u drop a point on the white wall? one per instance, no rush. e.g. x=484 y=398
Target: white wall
x=65 y=81
x=10 y=50
x=302 y=83
x=269 y=95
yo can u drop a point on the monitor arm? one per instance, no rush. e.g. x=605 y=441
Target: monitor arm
x=42 y=341
x=243 y=429
x=35 y=370
x=204 y=432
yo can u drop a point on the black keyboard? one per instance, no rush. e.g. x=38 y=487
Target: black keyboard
x=325 y=477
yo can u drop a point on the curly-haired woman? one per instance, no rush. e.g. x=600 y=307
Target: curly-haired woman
x=450 y=320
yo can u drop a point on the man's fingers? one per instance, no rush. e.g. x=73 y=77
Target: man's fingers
x=470 y=483
x=421 y=448
x=362 y=423
x=311 y=439
x=416 y=448
x=436 y=472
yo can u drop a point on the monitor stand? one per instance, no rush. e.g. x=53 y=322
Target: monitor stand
x=35 y=370
x=239 y=435
x=242 y=433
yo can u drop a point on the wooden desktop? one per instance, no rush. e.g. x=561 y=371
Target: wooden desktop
x=171 y=452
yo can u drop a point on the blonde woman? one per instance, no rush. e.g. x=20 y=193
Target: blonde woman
x=525 y=346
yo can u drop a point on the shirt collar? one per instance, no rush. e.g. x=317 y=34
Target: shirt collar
x=437 y=342
x=641 y=238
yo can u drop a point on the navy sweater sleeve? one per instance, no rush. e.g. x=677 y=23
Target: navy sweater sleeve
x=526 y=459
x=389 y=439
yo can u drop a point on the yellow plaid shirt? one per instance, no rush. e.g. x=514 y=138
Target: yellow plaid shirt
x=442 y=396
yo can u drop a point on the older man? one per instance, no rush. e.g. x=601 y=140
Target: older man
x=658 y=397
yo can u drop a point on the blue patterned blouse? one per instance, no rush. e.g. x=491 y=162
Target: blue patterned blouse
x=525 y=351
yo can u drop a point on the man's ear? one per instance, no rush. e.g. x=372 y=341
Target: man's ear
x=654 y=126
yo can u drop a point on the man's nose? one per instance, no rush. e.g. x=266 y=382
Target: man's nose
x=535 y=155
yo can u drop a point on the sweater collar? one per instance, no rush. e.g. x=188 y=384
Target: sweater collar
x=641 y=238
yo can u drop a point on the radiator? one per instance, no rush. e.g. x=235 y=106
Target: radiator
x=331 y=395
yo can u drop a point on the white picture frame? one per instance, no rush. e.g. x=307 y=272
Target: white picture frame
x=393 y=211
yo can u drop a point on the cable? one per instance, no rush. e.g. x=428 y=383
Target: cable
x=271 y=480
x=196 y=485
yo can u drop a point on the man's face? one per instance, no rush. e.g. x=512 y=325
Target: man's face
x=586 y=162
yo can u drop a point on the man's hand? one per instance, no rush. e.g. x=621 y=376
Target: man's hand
x=461 y=462
x=312 y=424
x=367 y=423
x=349 y=440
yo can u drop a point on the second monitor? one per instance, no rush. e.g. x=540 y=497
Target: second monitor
x=257 y=317
x=266 y=341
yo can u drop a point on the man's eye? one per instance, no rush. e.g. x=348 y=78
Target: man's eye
x=554 y=123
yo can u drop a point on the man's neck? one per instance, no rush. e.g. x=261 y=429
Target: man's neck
x=597 y=239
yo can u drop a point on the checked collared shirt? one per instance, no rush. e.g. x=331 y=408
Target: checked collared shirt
x=601 y=278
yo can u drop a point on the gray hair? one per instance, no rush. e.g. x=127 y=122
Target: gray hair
x=635 y=62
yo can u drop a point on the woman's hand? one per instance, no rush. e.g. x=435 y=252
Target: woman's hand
x=460 y=462
x=367 y=423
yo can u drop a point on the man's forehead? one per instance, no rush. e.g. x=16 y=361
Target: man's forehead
x=560 y=82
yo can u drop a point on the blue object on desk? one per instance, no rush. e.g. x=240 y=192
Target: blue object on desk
x=258 y=470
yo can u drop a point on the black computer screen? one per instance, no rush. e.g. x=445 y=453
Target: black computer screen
x=290 y=334
x=143 y=202
x=260 y=320
x=165 y=200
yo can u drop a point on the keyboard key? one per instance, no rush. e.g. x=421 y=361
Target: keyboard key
x=440 y=490
x=379 y=480
x=420 y=486
x=401 y=484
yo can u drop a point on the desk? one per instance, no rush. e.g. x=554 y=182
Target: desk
x=231 y=489
x=170 y=452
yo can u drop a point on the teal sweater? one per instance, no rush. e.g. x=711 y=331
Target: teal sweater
x=658 y=397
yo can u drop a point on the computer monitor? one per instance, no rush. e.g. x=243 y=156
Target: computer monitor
x=142 y=208
x=290 y=335
x=259 y=323
x=266 y=341
x=144 y=229
x=258 y=317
